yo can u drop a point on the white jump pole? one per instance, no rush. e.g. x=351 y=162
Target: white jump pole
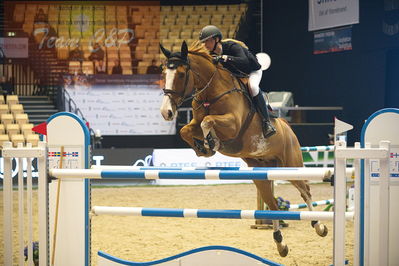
x=252 y=174
x=217 y=214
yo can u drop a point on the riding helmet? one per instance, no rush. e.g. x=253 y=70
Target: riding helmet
x=210 y=31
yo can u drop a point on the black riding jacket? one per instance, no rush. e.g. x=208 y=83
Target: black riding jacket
x=240 y=61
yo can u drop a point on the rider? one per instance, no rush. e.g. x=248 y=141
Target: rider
x=236 y=57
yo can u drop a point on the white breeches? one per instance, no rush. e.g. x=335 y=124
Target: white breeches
x=254 y=80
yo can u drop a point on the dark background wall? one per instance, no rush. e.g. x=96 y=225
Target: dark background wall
x=362 y=80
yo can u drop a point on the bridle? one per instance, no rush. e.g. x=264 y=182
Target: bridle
x=186 y=94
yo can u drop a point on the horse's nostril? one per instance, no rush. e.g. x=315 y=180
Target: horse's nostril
x=170 y=114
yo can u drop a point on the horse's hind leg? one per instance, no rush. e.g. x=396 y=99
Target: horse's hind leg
x=266 y=191
x=304 y=189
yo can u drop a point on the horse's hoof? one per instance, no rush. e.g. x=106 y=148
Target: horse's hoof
x=282 y=249
x=210 y=141
x=199 y=146
x=321 y=230
x=217 y=145
x=209 y=153
x=206 y=145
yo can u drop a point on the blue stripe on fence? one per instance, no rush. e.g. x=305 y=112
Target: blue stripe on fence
x=262 y=175
x=122 y=174
x=162 y=212
x=277 y=215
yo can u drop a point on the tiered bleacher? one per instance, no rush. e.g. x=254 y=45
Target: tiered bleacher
x=76 y=25
x=15 y=126
x=178 y=23
x=126 y=34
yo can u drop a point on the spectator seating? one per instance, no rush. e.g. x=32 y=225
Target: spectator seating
x=12 y=99
x=4 y=109
x=26 y=129
x=170 y=24
x=16 y=109
x=17 y=138
x=15 y=126
x=21 y=119
x=3 y=138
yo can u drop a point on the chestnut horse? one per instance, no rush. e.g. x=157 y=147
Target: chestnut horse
x=224 y=121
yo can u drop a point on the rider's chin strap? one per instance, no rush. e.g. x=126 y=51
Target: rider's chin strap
x=214 y=47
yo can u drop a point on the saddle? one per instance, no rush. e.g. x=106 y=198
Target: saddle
x=243 y=82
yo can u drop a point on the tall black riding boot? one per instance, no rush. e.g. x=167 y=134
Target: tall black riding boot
x=267 y=127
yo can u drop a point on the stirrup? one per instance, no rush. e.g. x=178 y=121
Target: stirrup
x=268 y=129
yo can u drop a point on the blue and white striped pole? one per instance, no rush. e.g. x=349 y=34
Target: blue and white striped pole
x=317 y=148
x=349 y=170
x=263 y=173
x=314 y=204
x=219 y=214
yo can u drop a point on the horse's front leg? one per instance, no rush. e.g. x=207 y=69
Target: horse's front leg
x=225 y=125
x=192 y=134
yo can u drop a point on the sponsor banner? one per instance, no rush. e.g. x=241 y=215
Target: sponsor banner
x=332 y=41
x=14 y=47
x=82 y=81
x=188 y=158
x=325 y=14
x=131 y=108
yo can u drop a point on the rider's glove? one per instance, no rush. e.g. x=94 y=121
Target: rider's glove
x=219 y=58
x=216 y=59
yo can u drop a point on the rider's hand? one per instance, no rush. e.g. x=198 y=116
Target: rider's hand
x=219 y=58
x=216 y=59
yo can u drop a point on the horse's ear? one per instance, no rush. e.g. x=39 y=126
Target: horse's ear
x=184 y=50
x=165 y=51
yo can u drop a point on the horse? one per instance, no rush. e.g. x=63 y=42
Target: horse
x=224 y=121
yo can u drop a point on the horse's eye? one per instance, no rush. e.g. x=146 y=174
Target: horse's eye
x=180 y=75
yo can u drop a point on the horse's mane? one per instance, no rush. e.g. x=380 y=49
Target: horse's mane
x=197 y=48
